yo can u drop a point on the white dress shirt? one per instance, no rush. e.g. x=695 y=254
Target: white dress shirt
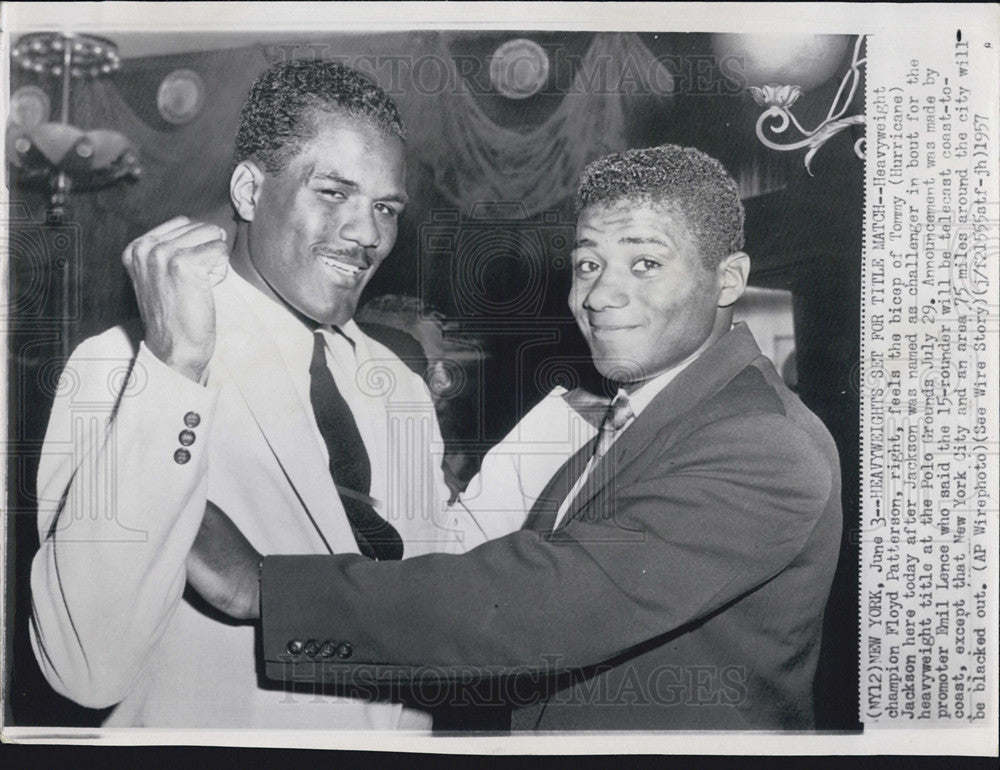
x=348 y=357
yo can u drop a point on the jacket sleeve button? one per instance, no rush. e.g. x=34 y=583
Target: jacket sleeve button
x=328 y=649
x=344 y=650
x=311 y=648
x=181 y=456
x=192 y=419
x=295 y=647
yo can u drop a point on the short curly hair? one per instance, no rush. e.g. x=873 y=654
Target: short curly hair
x=680 y=178
x=280 y=112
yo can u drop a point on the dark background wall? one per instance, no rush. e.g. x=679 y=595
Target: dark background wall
x=467 y=143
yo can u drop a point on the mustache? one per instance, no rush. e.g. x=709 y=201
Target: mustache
x=357 y=256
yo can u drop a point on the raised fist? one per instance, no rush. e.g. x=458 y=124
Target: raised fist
x=173 y=268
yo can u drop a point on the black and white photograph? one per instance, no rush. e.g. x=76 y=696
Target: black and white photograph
x=482 y=378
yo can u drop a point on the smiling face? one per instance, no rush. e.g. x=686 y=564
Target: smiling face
x=319 y=228
x=641 y=294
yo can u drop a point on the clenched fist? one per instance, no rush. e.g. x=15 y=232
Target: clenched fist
x=173 y=268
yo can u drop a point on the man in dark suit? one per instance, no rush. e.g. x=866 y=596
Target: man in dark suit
x=674 y=572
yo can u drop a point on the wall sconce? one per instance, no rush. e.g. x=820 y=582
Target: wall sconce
x=779 y=69
x=60 y=155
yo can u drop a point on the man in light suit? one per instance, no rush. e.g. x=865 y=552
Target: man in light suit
x=673 y=573
x=245 y=388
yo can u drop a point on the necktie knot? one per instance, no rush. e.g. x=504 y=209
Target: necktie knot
x=618 y=414
x=321 y=342
x=319 y=352
x=616 y=418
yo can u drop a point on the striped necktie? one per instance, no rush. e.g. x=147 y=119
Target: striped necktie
x=616 y=418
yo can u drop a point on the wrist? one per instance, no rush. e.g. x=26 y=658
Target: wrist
x=191 y=364
x=194 y=372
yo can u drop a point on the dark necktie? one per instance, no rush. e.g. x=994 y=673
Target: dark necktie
x=349 y=463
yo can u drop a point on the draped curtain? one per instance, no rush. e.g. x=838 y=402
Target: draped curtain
x=473 y=159
x=457 y=155
x=470 y=157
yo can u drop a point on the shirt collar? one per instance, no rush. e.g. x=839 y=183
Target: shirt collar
x=641 y=397
x=293 y=338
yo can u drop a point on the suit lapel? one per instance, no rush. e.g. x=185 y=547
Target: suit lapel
x=543 y=513
x=251 y=360
x=705 y=376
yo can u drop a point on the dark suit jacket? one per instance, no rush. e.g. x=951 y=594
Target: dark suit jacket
x=685 y=587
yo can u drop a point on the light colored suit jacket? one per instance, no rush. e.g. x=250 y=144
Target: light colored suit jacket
x=118 y=514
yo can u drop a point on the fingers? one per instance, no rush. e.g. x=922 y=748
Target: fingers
x=185 y=237
x=210 y=260
x=216 y=275
x=196 y=267
x=171 y=237
x=195 y=236
x=173 y=268
x=217 y=271
x=177 y=226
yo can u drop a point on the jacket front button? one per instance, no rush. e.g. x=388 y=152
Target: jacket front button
x=186 y=437
x=181 y=456
x=311 y=648
x=344 y=650
x=192 y=419
x=295 y=647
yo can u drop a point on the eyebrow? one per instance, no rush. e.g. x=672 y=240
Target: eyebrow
x=333 y=176
x=627 y=241
x=633 y=240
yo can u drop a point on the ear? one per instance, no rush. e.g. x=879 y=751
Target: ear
x=245 y=186
x=733 y=273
